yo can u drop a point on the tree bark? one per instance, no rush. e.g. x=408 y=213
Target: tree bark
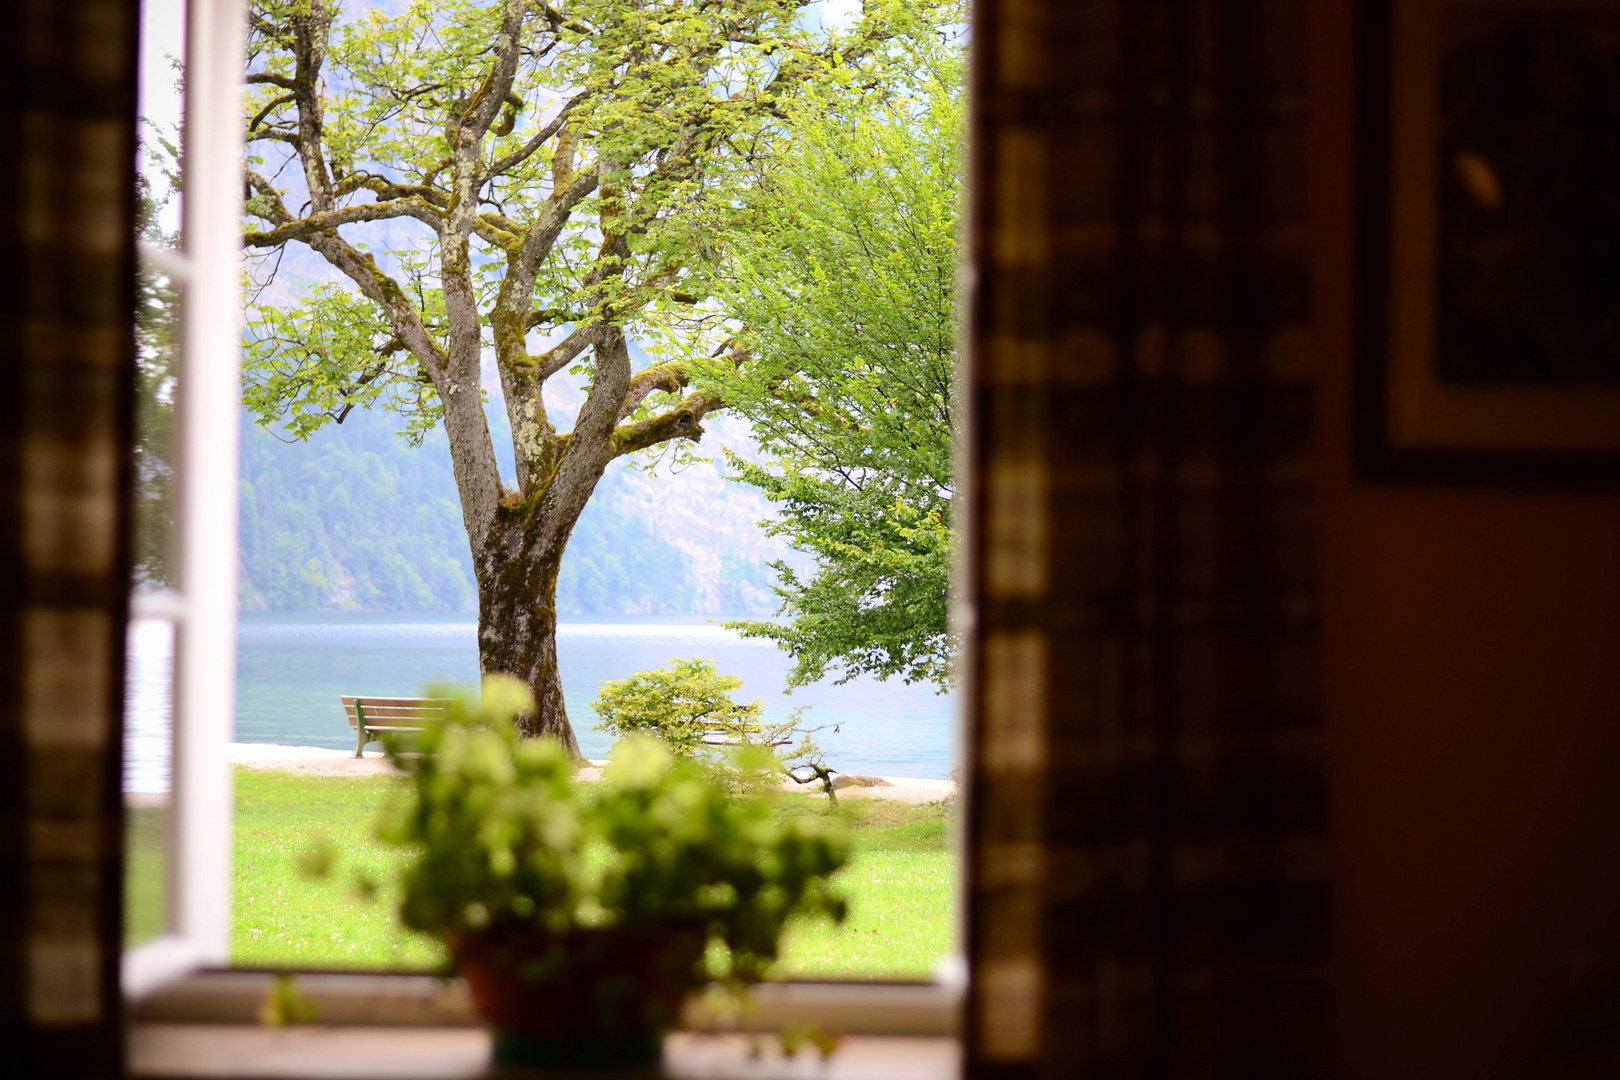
x=517 y=629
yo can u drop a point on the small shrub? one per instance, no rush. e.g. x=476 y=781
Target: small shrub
x=687 y=706
x=678 y=705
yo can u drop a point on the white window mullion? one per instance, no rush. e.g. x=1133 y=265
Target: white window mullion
x=165 y=604
x=172 y=264
x=205 y=647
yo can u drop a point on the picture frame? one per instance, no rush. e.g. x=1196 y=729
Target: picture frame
x=1488 y=231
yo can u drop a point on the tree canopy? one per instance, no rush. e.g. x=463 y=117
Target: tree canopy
x=840 y=281
x=544 y=172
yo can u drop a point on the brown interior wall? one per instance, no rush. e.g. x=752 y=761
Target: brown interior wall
x=1472 y=643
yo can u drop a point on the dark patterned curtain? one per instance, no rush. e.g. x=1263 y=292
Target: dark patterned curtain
x=67 y=125
x=1148 y=888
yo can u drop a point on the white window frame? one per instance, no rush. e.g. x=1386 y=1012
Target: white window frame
x=202 y=606
x=202 y=609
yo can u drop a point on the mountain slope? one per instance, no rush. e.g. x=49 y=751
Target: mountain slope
x=355 y=519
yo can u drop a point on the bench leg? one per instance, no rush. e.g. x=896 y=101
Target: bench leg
x=359 y=729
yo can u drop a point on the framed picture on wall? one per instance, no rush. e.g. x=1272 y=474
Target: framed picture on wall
x=1489 y=175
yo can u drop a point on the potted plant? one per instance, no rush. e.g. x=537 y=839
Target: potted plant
x=582 y=914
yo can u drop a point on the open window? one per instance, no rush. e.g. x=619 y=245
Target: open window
x=184 y=608
x=184 y=619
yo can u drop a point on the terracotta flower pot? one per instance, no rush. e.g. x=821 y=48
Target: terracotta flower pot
x=587 y=999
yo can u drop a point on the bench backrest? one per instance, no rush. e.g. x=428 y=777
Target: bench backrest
x=394 y=714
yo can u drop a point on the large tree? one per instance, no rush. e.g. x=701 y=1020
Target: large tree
x=839 y=278
x=538 y=177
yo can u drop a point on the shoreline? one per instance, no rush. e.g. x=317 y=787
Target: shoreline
x=321 y=761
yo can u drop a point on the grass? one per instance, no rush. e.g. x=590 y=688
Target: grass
x=900 y=885
x=279 y=917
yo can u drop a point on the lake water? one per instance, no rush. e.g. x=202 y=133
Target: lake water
x=292 y=668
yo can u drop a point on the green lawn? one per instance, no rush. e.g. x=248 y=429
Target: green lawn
x=280 y=918
x=900 y=885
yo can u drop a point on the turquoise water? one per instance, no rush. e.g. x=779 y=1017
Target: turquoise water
x=292 y=668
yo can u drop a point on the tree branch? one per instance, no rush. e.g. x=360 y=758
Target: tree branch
x=509 y=319
x=563 y=353
x=310 y=33
x=273 y=135
x=538 y=139
x=493 y=232
x=271 y=79
x=681 y=422
x=303 y=228
x=486 y=102
x=274 y=209
x=538 y=241
x=387 y=190
x=274 y=104
x=665 y=377
x=552 y=317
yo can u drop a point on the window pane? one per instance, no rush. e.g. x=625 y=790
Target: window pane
x=157 y=327
x=149 y=642
x=157 y=321
x=148 y=754
x=163 y=43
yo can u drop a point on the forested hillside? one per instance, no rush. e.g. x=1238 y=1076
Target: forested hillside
x=356 y=519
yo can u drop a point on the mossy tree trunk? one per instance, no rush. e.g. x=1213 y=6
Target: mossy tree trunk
x=520 y=557
x=517 y=635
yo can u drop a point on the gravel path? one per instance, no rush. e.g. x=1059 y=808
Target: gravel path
x=309 y=760
x=318 y=761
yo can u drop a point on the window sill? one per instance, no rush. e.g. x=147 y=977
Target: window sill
x=234 y=998
x=419 y=1027
x=246 y=1052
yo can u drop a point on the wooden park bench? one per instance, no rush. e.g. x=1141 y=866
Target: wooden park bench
x=369 y=715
